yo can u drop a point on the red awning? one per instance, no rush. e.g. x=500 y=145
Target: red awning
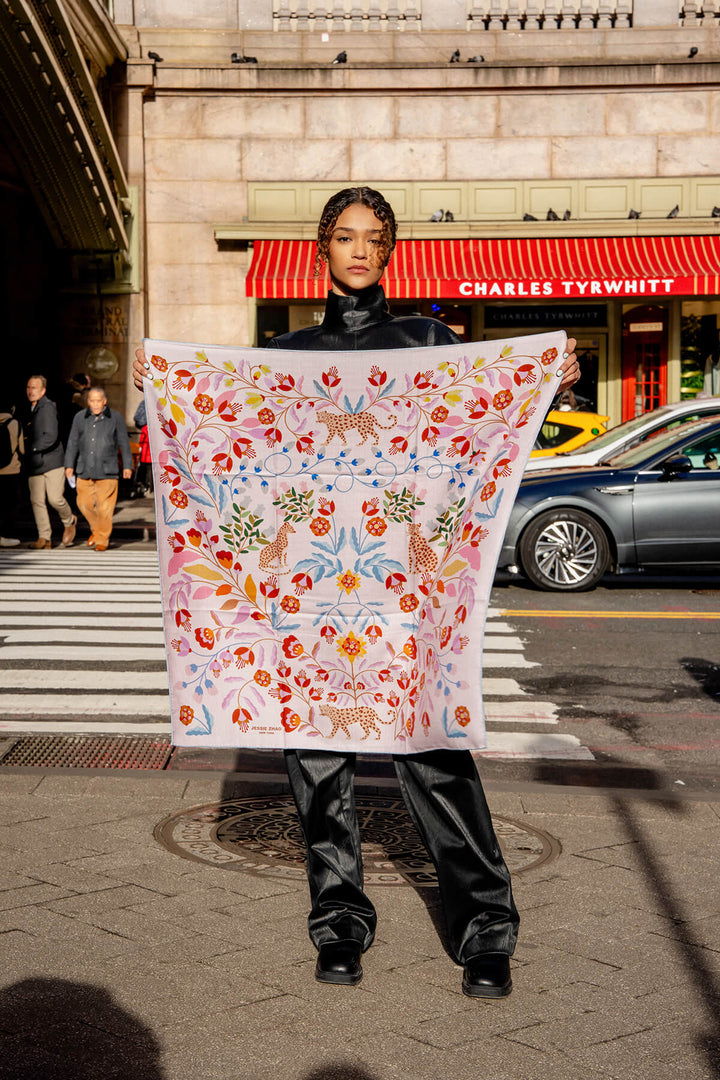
x=570 y=268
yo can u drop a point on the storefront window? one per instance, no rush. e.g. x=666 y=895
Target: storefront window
x=700 y=348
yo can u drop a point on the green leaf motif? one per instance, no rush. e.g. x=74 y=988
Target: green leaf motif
x=398 y=506
x=244 y=533
x=296 y=505
x=448 y=522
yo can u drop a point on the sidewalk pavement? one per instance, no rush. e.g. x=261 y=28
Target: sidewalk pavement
x=123 y=960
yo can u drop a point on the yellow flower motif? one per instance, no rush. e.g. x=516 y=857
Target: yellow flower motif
x=350 y=646
x=348 y=581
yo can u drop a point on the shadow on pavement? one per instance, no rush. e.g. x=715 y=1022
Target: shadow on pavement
x=689 y=950
x=339 y=1070
x=705 y=673
x=61 y=1030
x=670 y=903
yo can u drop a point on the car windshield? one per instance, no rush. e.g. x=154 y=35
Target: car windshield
x=646 y=421
x=635 y=455
x=609 y=438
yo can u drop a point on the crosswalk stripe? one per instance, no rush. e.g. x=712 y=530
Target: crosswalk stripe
x=123 y=622
x=61 y=607
x=81 y=653
x=95 y=636
x=77 y=603
x=79 y=680
x=522 y=745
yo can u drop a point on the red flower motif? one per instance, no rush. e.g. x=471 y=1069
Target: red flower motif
x=282 y=692
x=372 y=633
x=291 y=604
x=204 y=404
x=548 y=356
x=319 y=526
x=266 y=416
x=477 y=407
x=205 y=637
x=302 y=680
x=272 y=436
x=283 y=671
x=398 y=445
x=408 y=602
x=194 y=537
x=160 y=365
x=396 y=582
x=184 y=380
x=315 y=694
x=460 y=614
x=393 y=701
x=445 y=635
x=243 y=448
x=376 y=526
x=242 y=718
x=292 y=647
x=460 y=446
x=304 y=445
x=322 y=674
x=410 y=647
x=179 y=499
x=289 y=719
x=328 y=632
x=502 y=399
x=182 y=618
x=285 y=382
x=410 y=723
x=225 y=558
x=462 y=716
x=302 y=582
x=430 y=435
x=524 y=374
x=262 y=678
x=377 y=377
x=221 y=463
x=270 y=588
x=384 y=674
x=439 y=415
x=186 y=712
x=370 y=507
x=422 y=379
x=244 y=656
x=326 y=506
x=488 y=491
x=329 y=377
x=425 y=721
x=403 y=681
x=177 y=542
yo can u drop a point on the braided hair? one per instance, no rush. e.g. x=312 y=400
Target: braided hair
x=364 y=196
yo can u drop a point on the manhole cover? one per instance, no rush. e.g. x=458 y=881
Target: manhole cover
x=88 y=752
x=261 y=836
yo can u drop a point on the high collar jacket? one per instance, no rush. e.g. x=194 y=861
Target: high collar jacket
x=363 y=321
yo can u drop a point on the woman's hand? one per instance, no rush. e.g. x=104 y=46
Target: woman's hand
x=570 y=368
x=141 y=368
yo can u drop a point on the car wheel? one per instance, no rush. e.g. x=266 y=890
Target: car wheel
x=564 y=551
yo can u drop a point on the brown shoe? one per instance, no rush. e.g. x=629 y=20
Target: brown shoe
x=91 y=540
x=41 y=543
x=69 y=533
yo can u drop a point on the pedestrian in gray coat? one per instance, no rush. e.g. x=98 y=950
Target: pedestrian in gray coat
x=98 y=435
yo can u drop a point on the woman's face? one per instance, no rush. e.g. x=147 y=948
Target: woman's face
x=355 y=250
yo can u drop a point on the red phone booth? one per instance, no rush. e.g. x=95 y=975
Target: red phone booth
x=644 y=360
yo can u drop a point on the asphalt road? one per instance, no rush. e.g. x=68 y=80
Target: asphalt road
x=634 y=666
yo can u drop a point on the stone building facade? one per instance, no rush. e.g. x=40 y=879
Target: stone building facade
x=233 y=124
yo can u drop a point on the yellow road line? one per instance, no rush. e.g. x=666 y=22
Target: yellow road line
x=509 y=612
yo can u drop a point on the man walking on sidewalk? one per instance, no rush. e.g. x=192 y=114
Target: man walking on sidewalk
x=97 y=436
x=44 y=463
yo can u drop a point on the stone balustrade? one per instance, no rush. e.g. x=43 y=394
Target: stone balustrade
x=356 y=15
x=699 y=12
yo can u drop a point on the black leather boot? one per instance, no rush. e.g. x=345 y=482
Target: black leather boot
x=339 y=962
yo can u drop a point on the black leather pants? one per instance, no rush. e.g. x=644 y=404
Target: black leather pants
x=445 y=798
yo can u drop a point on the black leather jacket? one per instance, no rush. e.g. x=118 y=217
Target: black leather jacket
x=363 y=321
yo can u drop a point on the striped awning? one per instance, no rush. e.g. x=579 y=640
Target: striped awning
x=562 y=268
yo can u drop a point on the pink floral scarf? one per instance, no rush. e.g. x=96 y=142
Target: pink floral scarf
x=329 y=526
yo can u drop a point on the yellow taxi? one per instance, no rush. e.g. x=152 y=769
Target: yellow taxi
x=565 y=429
